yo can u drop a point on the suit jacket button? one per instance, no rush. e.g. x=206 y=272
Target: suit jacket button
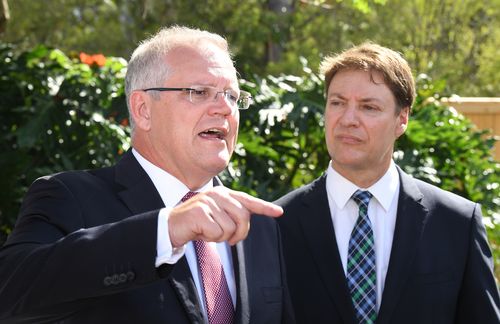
x=122 y=277
x=107 y=281
x=115 y=280
x=130 y=276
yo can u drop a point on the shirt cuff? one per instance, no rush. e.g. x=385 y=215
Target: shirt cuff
x=165 y=253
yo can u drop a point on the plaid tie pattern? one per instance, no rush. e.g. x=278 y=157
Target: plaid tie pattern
x=361 y=273
x=218 y=303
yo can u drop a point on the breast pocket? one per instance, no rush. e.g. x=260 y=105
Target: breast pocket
x=434 y=278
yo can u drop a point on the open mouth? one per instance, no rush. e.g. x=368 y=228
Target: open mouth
x=214 y=133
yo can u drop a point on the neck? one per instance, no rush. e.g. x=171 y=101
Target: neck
x=191 y=180
x=363 y=178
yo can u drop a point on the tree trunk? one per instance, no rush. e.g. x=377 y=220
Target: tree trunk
x=4 y=15
x=280 y=8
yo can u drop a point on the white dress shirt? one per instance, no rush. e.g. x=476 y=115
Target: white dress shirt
x=171 y=191
x=382 y=211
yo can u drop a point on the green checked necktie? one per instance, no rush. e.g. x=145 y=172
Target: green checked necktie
x=361 y=273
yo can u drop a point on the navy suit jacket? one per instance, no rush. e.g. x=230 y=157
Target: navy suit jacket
x=440 y=268
x=83 y=251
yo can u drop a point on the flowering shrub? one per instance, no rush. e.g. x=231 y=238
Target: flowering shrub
x=96 y=59
x=59 y=113
x=56 y=113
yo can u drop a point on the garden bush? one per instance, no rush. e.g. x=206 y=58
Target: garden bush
x=56 y=113
x=60 y=112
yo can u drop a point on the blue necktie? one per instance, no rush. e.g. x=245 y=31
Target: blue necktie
x=361 y=273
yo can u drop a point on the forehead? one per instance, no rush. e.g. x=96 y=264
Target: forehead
x=359 y=83
x=206 y=63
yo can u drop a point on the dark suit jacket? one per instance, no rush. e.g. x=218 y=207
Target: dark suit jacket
x=440 y=268
x=84 y=247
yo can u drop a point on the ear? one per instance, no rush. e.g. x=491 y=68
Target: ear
x=140 y=110
x=403 y=117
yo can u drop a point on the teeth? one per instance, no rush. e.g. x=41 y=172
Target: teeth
x=214 y=131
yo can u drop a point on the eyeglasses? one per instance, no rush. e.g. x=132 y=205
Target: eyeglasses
x=198 y=95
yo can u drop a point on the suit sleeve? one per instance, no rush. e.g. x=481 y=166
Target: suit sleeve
x=478 y=297
x=51 y=258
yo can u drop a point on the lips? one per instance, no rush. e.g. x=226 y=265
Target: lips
x=214 y=133
x=349 y=139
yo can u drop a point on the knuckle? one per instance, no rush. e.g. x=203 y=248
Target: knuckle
x=231 y=228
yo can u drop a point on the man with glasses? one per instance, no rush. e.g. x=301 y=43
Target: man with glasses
x=155 y=238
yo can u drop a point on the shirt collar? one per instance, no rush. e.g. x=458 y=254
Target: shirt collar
x=341 y=190
x=169 y=187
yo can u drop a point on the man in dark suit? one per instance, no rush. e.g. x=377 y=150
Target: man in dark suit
x=367 y=243
x=124 y=244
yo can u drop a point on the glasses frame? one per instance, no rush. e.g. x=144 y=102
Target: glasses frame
x=243 y=95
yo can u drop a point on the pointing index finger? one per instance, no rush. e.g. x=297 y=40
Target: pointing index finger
x=257 y=205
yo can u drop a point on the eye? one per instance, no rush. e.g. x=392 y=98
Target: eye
x=335 y=103
x=231 y=95
x=369 y=107
x=199 y=92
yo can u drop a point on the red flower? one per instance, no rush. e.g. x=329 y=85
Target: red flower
x=99 y=59
x=96 y=59
x=124 y=122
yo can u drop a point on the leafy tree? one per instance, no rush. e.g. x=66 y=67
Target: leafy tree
x=56 y=114
x=449 y=40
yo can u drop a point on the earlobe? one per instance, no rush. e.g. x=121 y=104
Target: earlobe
x=403 y=121
x=403 y=128
x=140 y=110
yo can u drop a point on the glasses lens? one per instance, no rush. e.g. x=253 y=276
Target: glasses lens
x=231 y=97
x=199 y=94
x=245 y=100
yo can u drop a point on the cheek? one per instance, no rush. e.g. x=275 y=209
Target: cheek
x=234 y=122
x=392 y=131
x=329 y=123
x=175 y=129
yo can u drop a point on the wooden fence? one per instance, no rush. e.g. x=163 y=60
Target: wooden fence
x=483 y=112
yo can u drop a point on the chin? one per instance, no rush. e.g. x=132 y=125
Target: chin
x=217 y=165
x=350 y=163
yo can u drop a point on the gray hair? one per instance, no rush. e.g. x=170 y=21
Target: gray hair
x=147 y=67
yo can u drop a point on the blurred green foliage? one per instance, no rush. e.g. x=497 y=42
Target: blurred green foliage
x=281 y=144
x=446 y=39
x=58 y=113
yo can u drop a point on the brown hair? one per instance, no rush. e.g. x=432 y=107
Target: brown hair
x=371 y=57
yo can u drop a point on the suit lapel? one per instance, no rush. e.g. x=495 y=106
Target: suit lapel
x=181 y=280
x=242 y=297
x=410 y=221
x=140 y=195
x=318 y=230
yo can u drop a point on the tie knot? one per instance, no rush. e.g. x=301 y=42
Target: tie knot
x=188 y=196
x=362 y=197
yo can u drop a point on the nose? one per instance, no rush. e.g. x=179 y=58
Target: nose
x=349 y=116
x=222 y=105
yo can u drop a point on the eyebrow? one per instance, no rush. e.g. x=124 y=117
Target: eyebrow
x=368 y=99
